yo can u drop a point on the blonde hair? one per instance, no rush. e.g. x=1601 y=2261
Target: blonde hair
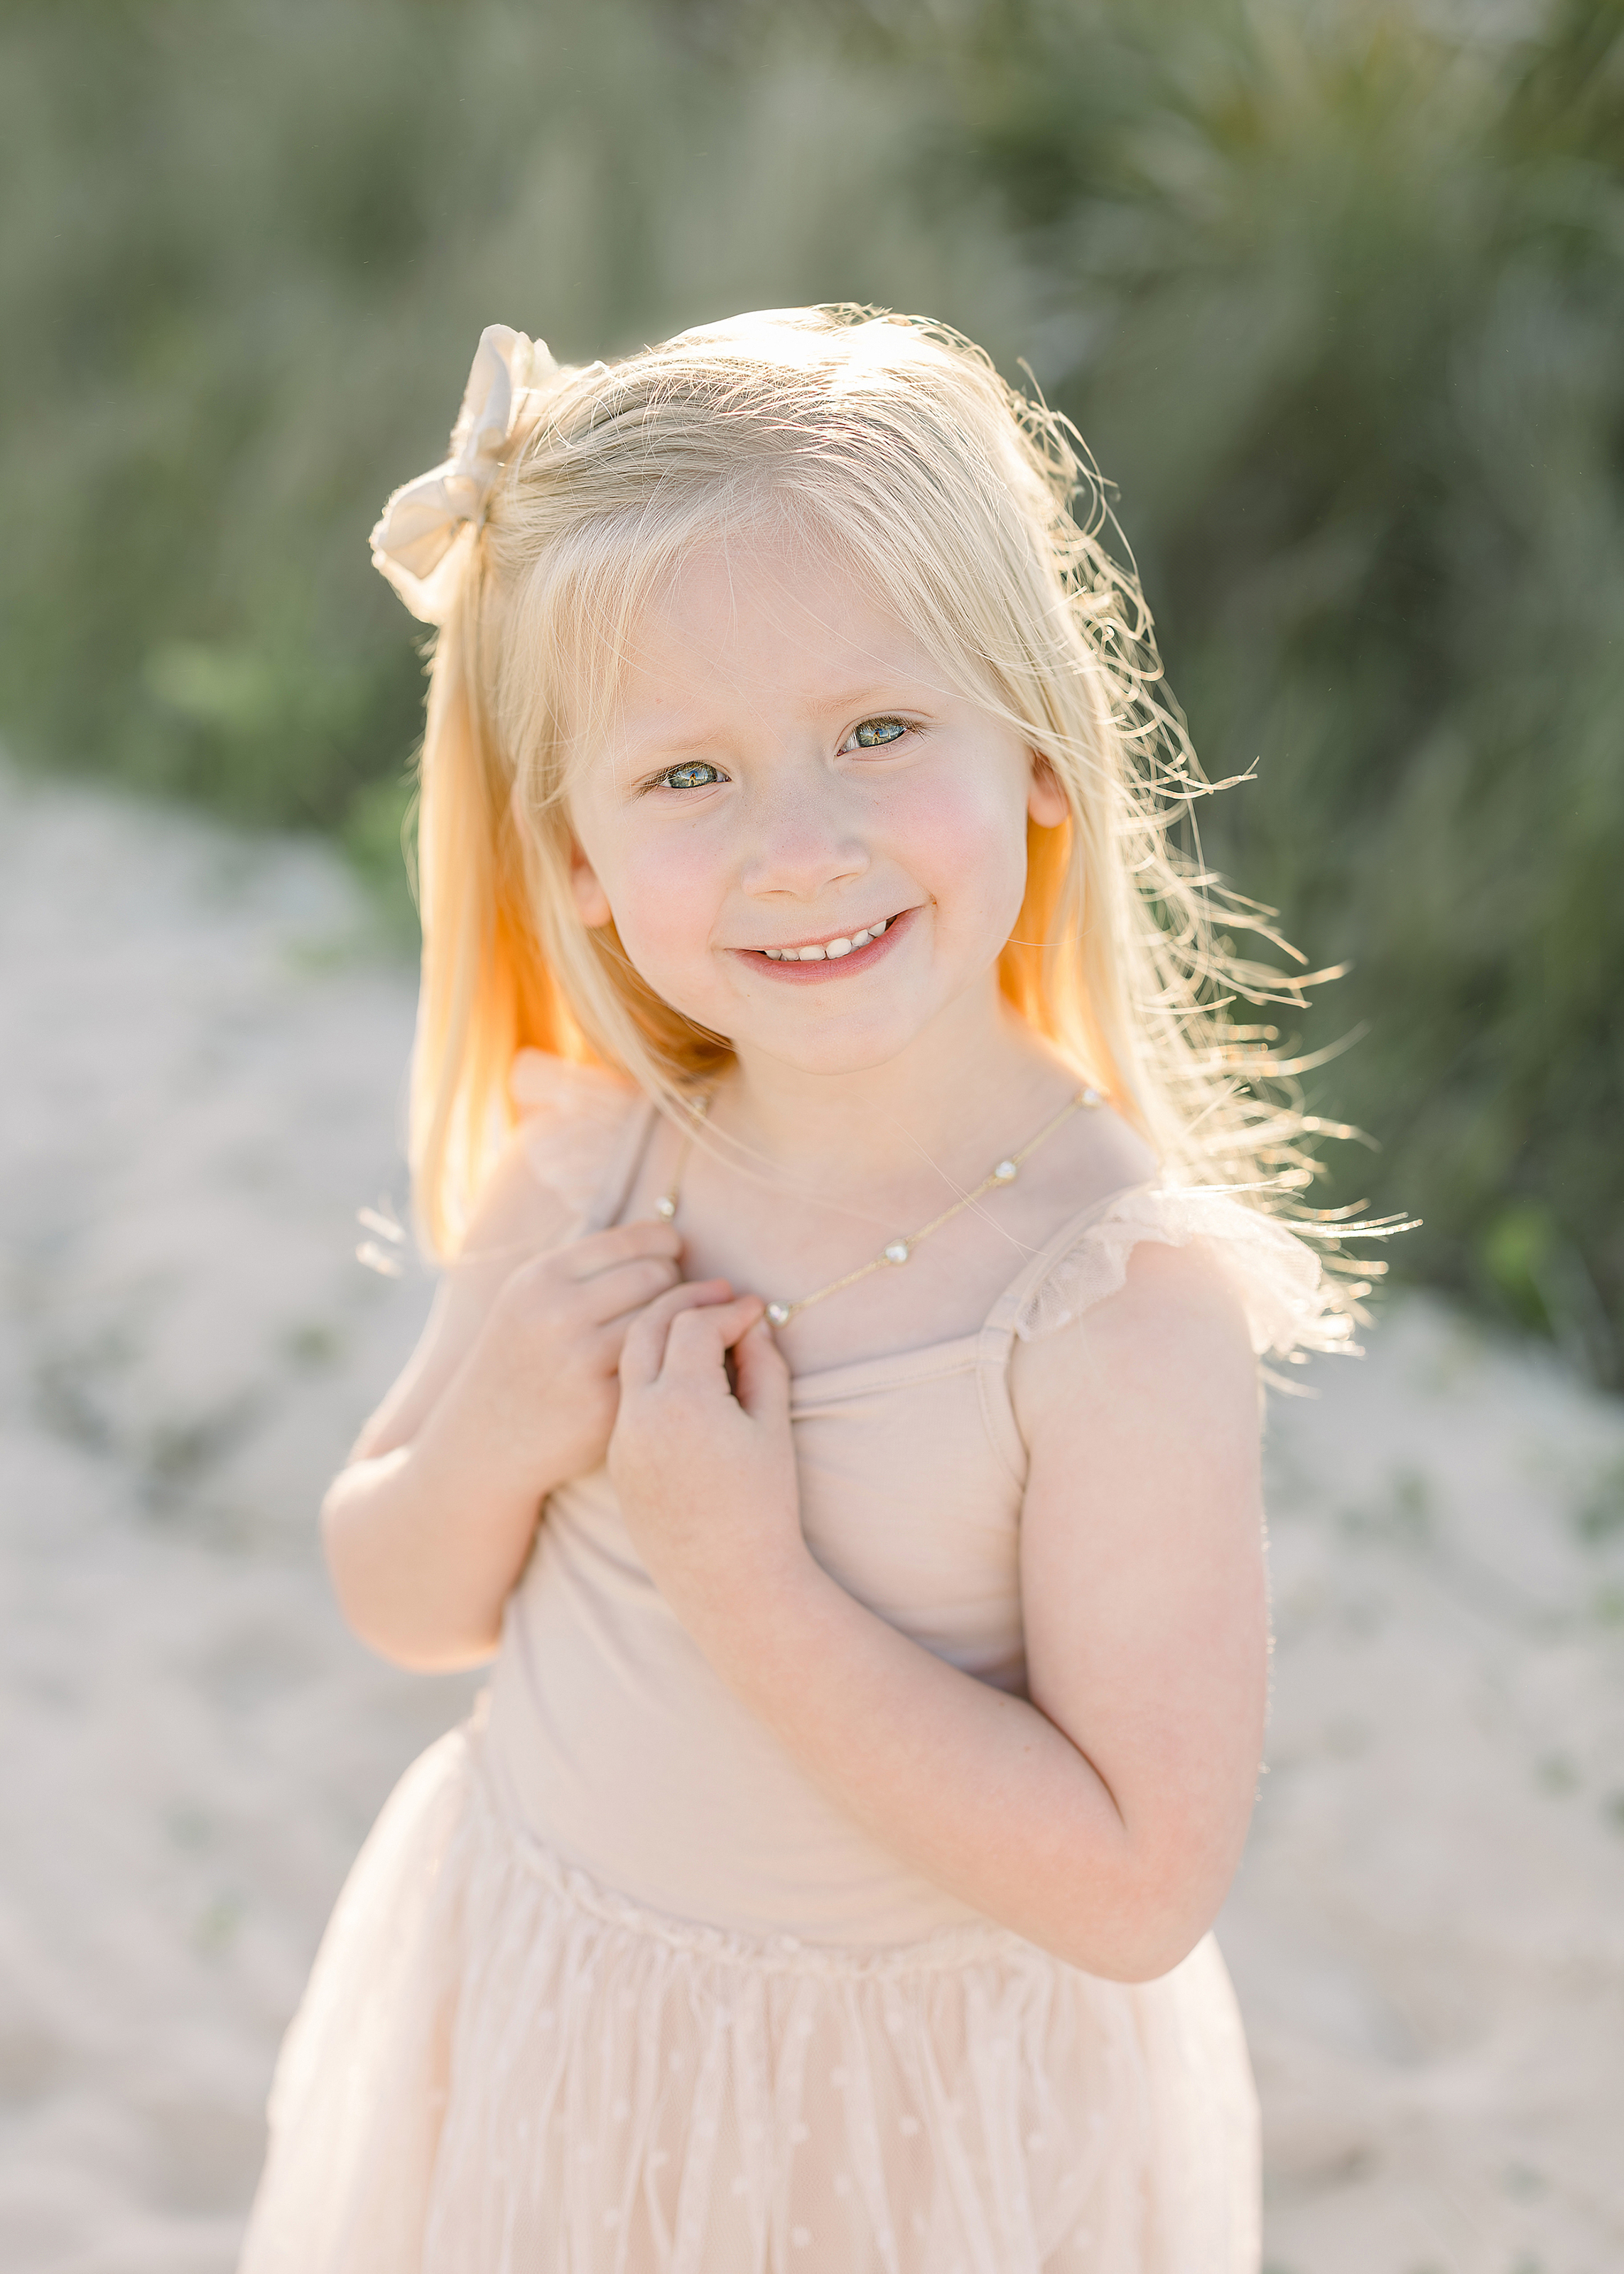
x=893 y=445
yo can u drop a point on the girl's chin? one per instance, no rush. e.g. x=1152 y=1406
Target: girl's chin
x=824 y=1028
x=823 y=1057
x=839 y=1046
x=832 y=1046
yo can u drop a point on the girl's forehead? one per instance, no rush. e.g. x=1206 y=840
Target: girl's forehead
x=762 y=626
x=739 y=597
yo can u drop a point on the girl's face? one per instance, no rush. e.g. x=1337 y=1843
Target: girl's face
x=787 y=772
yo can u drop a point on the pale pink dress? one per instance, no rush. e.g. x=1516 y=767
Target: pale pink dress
x=613 y=1988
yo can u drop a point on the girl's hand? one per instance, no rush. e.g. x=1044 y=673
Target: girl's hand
x=703 y=1468
x=428 y=1527
x=541 y=1384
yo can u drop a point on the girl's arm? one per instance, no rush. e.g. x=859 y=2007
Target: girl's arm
x=1104 y=1818
x=511 y=1392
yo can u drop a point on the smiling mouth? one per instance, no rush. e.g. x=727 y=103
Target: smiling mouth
x=827 y=951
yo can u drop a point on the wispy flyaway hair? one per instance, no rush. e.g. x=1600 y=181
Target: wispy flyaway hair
x=892 y=446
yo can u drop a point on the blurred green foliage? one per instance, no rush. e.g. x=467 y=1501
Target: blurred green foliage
x=250 y=244
x=1335 y=288
x=1350 y=300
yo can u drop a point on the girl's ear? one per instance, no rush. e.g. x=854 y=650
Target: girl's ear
x=1046 y=800
x=591 y=901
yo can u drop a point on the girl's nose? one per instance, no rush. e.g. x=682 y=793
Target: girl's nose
x=801 y=843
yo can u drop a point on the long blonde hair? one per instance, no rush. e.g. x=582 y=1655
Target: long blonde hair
x=894 y=445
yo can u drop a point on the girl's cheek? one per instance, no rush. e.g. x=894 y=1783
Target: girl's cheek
x=964 y=842
x=667 y=909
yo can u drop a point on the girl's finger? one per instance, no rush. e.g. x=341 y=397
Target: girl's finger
x=761 y=1375
x=643 y=1351
x=697 y=1342
x=626 y=1243
x=610 y=1295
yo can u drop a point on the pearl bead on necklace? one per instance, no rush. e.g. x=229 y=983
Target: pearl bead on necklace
x=895 y=1251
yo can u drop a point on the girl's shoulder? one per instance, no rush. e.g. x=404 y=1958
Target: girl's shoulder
x=1273 y=1274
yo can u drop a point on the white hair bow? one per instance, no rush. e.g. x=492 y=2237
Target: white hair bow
x=428 y=526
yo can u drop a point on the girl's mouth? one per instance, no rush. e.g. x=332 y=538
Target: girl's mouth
x=816 y=960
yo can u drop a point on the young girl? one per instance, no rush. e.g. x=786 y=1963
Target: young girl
x=839 y=1422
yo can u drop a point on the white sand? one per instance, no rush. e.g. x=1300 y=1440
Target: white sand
x=204 y=1062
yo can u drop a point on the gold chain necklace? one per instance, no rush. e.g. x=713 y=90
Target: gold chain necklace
x=895 y=1251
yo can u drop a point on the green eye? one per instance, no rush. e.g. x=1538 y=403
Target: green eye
x=875 y=731
x=697 y=774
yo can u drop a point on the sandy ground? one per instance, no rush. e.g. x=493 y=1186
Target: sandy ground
x=206 y=1052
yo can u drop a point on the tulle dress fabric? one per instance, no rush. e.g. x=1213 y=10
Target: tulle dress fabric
x=614 y=1989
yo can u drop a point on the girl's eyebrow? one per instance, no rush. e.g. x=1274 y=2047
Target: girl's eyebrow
x=854 y=704
x=873 y=698
x=652 y=745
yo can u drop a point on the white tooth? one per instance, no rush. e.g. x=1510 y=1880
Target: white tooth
x=811 y=954
x=776 y=953
x=860 y=938
x=875 y=930
x=838 y=947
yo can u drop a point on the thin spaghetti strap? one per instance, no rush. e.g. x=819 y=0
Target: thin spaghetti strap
x=625 y=1163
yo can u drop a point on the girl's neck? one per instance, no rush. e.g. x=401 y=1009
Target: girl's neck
x=952 y=1096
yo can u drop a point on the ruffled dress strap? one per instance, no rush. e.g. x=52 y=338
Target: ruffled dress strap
x=582 y=1130
x=1276 y=1274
